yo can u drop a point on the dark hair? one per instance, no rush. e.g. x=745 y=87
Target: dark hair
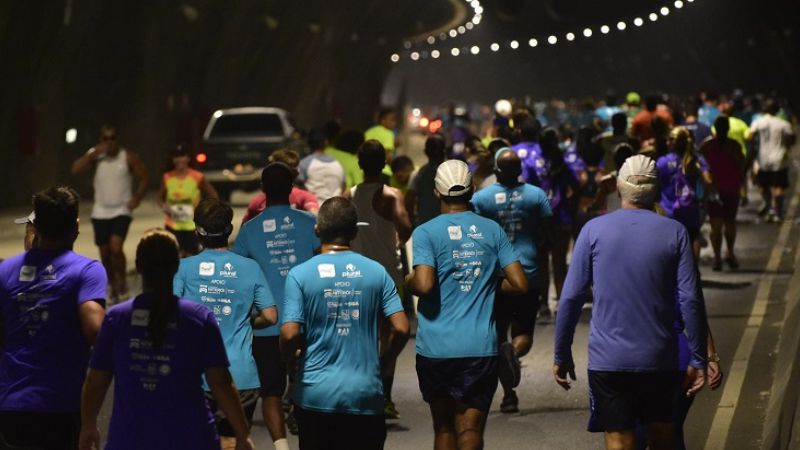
x=435 y=147
x=722 y=125
x=622 y=152
x=550 y=150
x=108 y=127
x=337 y=221
x=213 y=219
x=276 y=180
x=181 y=150
x=157 y=260
x=286 y=156
x=457 y=199
x=619 y=121
x=332 y=129
x=316 y=139
x=384 y=111
x=651 y=102
x=529 y=130
x=371 y=157
x=401 y=163
x=771 y=107
x=496 y=144
x=56 y=211
x=349 y=141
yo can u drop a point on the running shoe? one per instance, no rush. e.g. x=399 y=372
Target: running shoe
x=390 y=411
x=509 y=370
x=510 y=403
x=732 y=262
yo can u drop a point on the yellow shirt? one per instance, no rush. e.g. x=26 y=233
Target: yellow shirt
x=739 y=132
x=383 y=135
x=353 y=174
x=183 y=195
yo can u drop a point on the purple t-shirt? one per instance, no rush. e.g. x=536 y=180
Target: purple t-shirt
x=158 y=394
x=673 y=184
x=43 y=362
x=531 y=154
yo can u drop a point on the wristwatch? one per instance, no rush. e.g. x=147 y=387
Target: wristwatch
x=713 y=357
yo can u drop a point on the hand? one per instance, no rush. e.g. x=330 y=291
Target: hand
x=245 y=444
x=100 y=150
x=694 y=381
x=89 y=438
x=714 y=375
x=134 y=202
x=560 y=374
x=291 y=362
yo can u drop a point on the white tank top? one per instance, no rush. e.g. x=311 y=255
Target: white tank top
x=112 y=187
x=378 y=240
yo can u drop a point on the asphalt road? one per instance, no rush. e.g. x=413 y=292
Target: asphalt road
x=551 y=418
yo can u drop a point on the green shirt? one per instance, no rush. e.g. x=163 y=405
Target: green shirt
x=383 y=135
x=739 y=131
x=352 y=172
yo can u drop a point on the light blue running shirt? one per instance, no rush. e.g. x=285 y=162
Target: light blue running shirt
x=520 y=210
x=230 y=286
x=339 y=298
x=467 y=251
x=278 y=239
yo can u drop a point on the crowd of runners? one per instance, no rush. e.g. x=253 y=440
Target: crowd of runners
x=313 y=298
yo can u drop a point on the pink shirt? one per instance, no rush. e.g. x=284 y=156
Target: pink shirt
x=298 y=199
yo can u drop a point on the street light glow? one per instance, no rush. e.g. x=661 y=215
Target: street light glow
x=605 y=29
x=435 y=54
x=533 y=42
x=552 y=40
x=475 y=50
x=495 y=46
x=455 y=51
x=621 y=25
x=395 y=57
x=570 y=36
x=638 y=21
x=514 y=44
x=587 y=32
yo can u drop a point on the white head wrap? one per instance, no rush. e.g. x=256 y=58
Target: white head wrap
x=637 y=181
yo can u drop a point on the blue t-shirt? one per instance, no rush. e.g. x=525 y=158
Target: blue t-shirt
x=158 y=395
x=700 y=132
x=230 y=286
x=635 y=264
x=707 y=114
x=44 y=357
x=456 y=320
x=520 y=211
x=339 y=298
x=278 y=239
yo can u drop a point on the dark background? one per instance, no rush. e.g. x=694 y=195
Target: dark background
x=159 y=68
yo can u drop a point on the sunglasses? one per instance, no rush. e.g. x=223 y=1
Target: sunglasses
x=108 y=138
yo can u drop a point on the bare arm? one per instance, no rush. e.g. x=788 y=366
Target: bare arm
x=91 y=316
x=411 y=205
x=265 y=318
x=208 y=189
x=87 y=160
x=421 y=280
x=140 y=172
x=398 y=337
x=402 y=223
x=291 y=344
x=515 y=282
x=224 y=391
x=161 y=197
x=94 y=393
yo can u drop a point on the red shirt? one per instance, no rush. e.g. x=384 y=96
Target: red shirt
x=298 y=199
x=642 y=125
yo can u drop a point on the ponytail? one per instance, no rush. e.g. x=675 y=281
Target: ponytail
x=157 y=261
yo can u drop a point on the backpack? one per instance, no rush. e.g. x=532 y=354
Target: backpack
x=687 y=193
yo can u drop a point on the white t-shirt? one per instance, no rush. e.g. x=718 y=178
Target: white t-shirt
x=773 y=133
x=113 y=186
x=322 y=175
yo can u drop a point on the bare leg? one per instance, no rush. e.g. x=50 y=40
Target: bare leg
x=661 y=435
x=730 y=235
x=227 y=442
x=559 y=252
x=443 y=412
x=118 y=280
x=620 y=440
x=470 y=423
x=716 y=238
x=272 y=410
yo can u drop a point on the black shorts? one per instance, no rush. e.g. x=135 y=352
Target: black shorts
x=105 y=228
x=620 y=400
x=45 y=431
x=470 y=381
x=773 y=178
x=517 y=310
x=336 y=431
x=248 y=398
x=271 y=368
x=187 y=240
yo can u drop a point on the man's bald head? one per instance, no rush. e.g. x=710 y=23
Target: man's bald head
x=508 y=166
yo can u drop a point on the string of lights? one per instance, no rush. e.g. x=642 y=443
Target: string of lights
x=553 y=39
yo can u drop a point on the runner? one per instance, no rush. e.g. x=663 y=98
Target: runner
x=383 y=209
x=523 y=211
x=727 y=163
x=457 y=337
x=156 y=347
x=383 y=132
x=635 y=264
x=201 y=279
x=402 y=168
x=279 y=238
x=333 y=305
x=775 y=138
x=349 y=161
x=322 y=175
x=618 y=135
x=528 y=149
x=298 y=198
x=114 y=201
x=51 y=308
x=180 y=192
x=421 y=202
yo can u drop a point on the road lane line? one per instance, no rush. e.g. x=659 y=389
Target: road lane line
x=732 y=388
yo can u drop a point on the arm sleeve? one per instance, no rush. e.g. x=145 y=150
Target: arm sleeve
x=391 y=301
x=422 y=249
x=573 y=295
x=93 y=284
x=302 y=169
x=263 y=298
x=214 y=355
x=293 y=301
x=102 y=353
x=693 y=310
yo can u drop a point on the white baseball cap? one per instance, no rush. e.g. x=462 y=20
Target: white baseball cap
x=27 y=219
x=638 y=180
x=453 y=178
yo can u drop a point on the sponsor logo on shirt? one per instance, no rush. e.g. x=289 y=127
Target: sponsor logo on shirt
x=164 y=369
x=474 y=233
x=287 y=224
x=351 y=271
x=326 y=270
x=500 y=198
x=454 y=232
x=49 y=273
x=140 y=317
x=522 y=153
x=355 y=314
x=516 y=195
x=227 y=310
x=207 y=268
x=228 y=271
x=27 y=273
x=269 y=225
